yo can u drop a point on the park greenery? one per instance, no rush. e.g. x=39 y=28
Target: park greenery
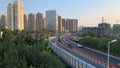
x=27 y=49
x=101 y=43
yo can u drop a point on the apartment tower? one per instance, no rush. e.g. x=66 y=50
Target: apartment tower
x=15 y=14
x=31 y=22
x=39 y=21
x=3 y=23
x=25 y=22
x=59 y=24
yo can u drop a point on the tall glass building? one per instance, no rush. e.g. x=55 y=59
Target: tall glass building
x=52 y=20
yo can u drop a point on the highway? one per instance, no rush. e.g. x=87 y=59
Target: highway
x=79 y=56
x=101 y=55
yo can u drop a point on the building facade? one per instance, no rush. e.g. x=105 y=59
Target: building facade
x=3 y=22
x=52 y=20
x=31 y=22
x=116 y=30
x=44 y=23
x=70 y=25
x=15 y=14
x=63 y=25
x=25 y=22
x=59 y=24
x=105 y=29
x=90 y=31
x=39 y=21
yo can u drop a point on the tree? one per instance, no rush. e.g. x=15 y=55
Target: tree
x=21 y=50
x=101 y=44
x=7 y=35
x=22 y=63
x=11 y=58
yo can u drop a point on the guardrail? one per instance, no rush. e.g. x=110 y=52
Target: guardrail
x=96 y=59
x=74 y=61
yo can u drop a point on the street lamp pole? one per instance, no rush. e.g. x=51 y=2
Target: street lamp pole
x=108 y=62
x=108 y=54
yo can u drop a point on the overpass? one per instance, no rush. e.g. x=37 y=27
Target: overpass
x=73 y=58
x=101 y=56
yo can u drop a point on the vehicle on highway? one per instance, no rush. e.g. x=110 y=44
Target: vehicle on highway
x=79 y=45
x=65 y=41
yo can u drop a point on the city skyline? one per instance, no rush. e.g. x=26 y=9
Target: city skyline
x=89 y=13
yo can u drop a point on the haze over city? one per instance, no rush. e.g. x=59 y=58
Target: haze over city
x=88 y=12
x=59 y=34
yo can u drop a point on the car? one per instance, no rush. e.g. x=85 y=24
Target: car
x=79 y=45
x=65 y=40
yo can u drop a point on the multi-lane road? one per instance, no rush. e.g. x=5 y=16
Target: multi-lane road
x=91 y=56
x=78 y=55
x=113 y=59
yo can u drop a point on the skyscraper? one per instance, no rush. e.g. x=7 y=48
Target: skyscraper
x=70 y=25
x=116 y=30
x=25 y=22
x=15 y=14
x=44 y=23
x=59 y=24
x=10 y=17
x=64 y=25
x=31 y=22
x=75 y=25
x=3 y=23
x=52 y=20
x=39 y=21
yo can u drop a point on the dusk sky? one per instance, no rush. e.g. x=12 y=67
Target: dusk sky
x=88 y=12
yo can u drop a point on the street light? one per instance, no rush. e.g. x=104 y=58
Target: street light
x=109 y=50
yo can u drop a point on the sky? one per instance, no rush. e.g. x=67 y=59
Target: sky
x=88 y=12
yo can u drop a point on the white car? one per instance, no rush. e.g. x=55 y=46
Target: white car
x=79 y=45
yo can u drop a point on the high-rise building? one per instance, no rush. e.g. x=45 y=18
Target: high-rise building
x=105 y=29
x=89 y=30
x=116 y=29
x=52 y=20
x=31 y=22
x=3 y=23
x=15 y=14
x=25 y=22
x=70 y=25
x=10 y=17
x=39 y=21
x=63 y=25
x=59 y=24
x=44 y=23
x=75 y=25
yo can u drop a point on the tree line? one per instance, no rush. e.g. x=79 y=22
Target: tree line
x=101 y=43
x=22 y=50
